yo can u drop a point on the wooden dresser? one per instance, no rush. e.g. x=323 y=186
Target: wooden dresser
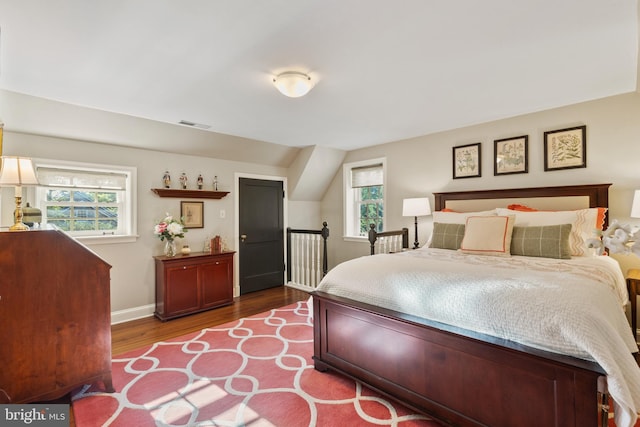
x=55 y=313
x=187 y=284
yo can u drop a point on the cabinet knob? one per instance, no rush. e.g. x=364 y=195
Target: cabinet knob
x=184 y=267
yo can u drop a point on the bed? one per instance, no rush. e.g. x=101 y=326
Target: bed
x=476 y=374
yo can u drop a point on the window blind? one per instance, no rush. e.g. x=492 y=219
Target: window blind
x=366 y=176
x=53 y=177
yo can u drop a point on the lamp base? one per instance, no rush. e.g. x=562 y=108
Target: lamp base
x=17 y=217
x=19 y=227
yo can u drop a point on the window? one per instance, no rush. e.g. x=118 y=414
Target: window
x=364 y=197
x=90 y=202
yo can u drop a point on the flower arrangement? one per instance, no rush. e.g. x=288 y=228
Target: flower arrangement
x=169 y=228
x=618 y=239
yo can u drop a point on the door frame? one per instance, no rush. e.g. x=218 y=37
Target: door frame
x=236 y=225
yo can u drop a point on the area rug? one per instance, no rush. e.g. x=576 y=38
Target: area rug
x=256 y=371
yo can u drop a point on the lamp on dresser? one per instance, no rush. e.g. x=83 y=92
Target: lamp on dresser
x=416 y=207
x=17 y=172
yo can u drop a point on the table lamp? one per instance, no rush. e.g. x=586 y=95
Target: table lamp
x=416 y=207
x=17 y=172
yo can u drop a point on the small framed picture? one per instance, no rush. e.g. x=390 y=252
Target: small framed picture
x=466 y=161
x=192 y=214
x=511 y=155
x=565 y=148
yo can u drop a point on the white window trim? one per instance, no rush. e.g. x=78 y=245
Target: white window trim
x=130 y=235
x=348 y=196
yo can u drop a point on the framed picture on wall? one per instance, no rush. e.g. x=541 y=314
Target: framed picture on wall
x=565 y=148
x=466 y=161
x=192 y=214
x=511 y=155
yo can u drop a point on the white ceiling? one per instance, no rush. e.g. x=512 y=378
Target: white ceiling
x=385 y=70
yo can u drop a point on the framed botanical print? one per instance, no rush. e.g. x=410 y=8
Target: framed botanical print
x=467 y=161
x=192 y=214
x=511 y=155
x=565 y=148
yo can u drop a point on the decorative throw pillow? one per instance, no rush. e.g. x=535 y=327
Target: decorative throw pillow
x=488 y=235
x=584 y=223
x=447 y=236
x=523 y=208
x=547 y=241
x=448 y=216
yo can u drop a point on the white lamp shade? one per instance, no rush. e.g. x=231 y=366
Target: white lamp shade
x=293 y=84
x=418 y=206
x=17 y=171
x=635 y=206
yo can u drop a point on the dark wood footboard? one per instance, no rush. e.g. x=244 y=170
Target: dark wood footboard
x=457 y=376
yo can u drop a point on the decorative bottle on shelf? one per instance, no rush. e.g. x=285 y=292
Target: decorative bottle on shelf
x=166 y=179
x=215 y=183
x=216 y=245
x=200 y=182
x=183 y=181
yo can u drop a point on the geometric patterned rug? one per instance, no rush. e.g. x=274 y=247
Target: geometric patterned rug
x=256 y=371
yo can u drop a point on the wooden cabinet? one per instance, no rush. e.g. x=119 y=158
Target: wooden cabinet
x=186 y=284
x=56 y=316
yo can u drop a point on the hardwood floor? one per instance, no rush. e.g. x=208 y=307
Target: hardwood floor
x=139 y=333
x=142 y=332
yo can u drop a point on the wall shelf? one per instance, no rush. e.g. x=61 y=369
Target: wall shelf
x=189 y=194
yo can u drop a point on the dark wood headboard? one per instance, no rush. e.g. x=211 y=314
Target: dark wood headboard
x=598 y=194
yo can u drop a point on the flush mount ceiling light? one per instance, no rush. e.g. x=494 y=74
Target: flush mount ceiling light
x=293 y=83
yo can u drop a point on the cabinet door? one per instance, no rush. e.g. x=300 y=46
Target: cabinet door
x=216 y=279
x=181 y=290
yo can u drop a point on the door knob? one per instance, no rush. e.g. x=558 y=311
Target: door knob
x=243 y=237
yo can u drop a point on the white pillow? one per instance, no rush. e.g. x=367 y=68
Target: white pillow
x=455 y=218
x=458 y=217
x=584 y=222
x=488 y=235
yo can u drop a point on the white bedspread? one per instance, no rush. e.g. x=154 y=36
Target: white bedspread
x=573 y=307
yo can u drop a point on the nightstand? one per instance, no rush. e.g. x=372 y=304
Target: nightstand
x=633 y=283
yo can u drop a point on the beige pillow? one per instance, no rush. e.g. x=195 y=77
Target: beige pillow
x=488 y=235
x=458 y=217
x=547 y=241
x=447 y=236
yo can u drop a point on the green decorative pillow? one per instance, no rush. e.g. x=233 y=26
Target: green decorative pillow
x=548 y=241
x=447 y=236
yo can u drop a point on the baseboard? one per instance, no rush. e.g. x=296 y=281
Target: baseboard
x=134 y=313
x=142 y=311
x=299 y=286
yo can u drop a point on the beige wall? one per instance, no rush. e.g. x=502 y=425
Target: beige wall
x=423 y=165
x=133 y=274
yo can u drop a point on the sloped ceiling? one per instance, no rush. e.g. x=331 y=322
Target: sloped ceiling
x=385 y=70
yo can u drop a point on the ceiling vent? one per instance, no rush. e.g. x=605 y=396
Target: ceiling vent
x=193 y=124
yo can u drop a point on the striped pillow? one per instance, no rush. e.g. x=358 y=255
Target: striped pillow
x=447 y=236
x=547 y=241
x=583 y=221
